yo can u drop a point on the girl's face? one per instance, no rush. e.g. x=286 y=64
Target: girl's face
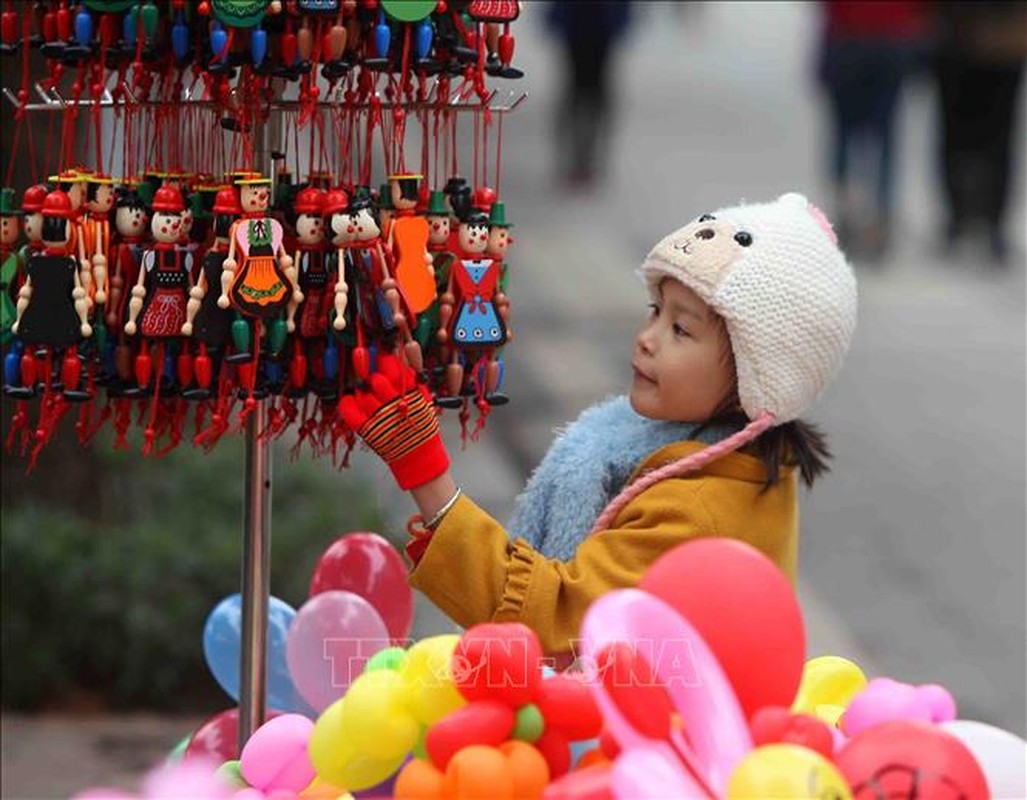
x=683 y=367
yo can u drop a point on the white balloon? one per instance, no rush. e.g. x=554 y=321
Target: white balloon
x=1001 y=754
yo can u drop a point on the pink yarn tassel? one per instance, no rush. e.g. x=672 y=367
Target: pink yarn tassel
x=682 y=466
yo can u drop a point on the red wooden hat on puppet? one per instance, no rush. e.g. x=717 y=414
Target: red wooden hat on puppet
x=226 y=201
x=309 y=201
x=33 y=199
x=169 y=200
x=58 y=204
x=335 y=202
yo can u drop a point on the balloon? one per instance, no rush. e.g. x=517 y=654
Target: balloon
x=745 y=610
x=582 y=748
x=593 y=783
x=367 y=565
x=222 y=644
x=217 y=738
x=1000 y=754
x=716 y=736
x=556 y=750
x=335 y=759
x=903 y=759
x=652 y=771
x=429 y=679
x=500 y=661
x=529 y=769
x=828 y=685
x=329 y=641
x=529 y=725
x=786 y=771
x=320 y=789
x=778 y=725
x=275 y=756
x=194 y=777
x=479 y=773
x=419 y=780
x=380 y=791
x=376 y=716
x=390 y=658
x=483 y=722
x=566 y=702
x=884 y=699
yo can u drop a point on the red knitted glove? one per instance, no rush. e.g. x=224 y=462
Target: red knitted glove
x=397 y=420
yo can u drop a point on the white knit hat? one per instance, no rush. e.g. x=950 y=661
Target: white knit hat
x=774 y=272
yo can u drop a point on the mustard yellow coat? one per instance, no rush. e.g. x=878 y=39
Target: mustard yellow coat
x=475 y=574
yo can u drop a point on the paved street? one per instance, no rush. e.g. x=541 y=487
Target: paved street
x=913 y=548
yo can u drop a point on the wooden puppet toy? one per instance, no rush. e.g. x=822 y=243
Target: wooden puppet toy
x=73 y=183
x=348 y=287
x=438 y=247
x=131 y=225
x=313 y=276
x=99 y=200
x=408 y=244
x=386 y=210
x=52 y=311
x=206 y=322
x=258 y=276
x=469 y=319
x=10 y=262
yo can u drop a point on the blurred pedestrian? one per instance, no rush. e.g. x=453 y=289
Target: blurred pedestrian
x=588 y=31
x=867 y=51
x=979 y=68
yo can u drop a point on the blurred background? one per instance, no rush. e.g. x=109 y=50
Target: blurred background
x=903 y=121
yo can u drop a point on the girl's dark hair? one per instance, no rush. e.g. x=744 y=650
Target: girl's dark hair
x=796 y=444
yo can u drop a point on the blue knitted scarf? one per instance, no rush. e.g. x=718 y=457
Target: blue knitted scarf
x=586 y=467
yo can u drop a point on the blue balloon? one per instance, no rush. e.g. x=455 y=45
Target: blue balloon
x=222 y=645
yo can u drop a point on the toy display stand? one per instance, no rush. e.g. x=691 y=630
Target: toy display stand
x=257 y=479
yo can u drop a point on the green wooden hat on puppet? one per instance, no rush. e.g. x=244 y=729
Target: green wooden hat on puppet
x=196 y=206
x=497 y=216
x=437 y=204
x=385 y=197
x=8 y=207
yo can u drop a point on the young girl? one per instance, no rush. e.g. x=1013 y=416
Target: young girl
x=753 y=308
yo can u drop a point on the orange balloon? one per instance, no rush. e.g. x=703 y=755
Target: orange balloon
x=591 y=758
x=529 y=768
x=479 y=772
x=419 y=780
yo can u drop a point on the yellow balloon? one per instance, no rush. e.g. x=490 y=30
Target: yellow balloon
x=828 y=682
x=786 y=772
x=335 y=759
x=431 y=694
x=376 y=718
x=320 y=789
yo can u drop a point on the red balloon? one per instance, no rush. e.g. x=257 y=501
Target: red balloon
x=631 y=684
x=498 y=661
x=778 y=725
x=746 y=611
x=910 y=760
x=556 y=750
x=567 y=703
x=486 y=722
x=591 y=783
x=367 y=565
x=218 y=737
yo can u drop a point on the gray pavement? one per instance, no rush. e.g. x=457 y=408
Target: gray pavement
x=913 y=548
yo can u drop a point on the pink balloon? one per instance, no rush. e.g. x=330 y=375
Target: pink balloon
x=886 y=700
x=717 y=734
x=329 y=642
x=275 y=756
x=367 y=565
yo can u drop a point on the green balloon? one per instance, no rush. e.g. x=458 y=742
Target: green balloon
x=231 y=773
x=408 y=10
x=419 y=749
x=529 y=724
x=389 y=658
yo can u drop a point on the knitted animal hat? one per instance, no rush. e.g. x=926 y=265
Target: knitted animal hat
x=774 y=273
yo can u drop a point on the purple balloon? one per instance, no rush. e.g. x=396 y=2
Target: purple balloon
x=329 y=642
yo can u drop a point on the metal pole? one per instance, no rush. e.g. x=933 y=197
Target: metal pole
x=256 y=572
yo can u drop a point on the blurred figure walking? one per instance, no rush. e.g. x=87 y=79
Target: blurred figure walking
x=588 y=31
x=867 y=51
x=979 y=68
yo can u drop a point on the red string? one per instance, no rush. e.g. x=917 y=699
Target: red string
x=499 y=153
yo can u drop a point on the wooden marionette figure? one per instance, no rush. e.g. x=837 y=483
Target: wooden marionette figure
x=368 y=253
x=209 y=325
x=348 y=287
x=408 y=245
x=52 y=311
x=258 y=277
x=131 y=227
x=313 y=277
x=99 y=200
x=386 y=211
x=469 y=320
x=458 y=201
x=438 y=246
x=498 y=244
x=198 y=236
x=157 y=309
x=10 y=263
